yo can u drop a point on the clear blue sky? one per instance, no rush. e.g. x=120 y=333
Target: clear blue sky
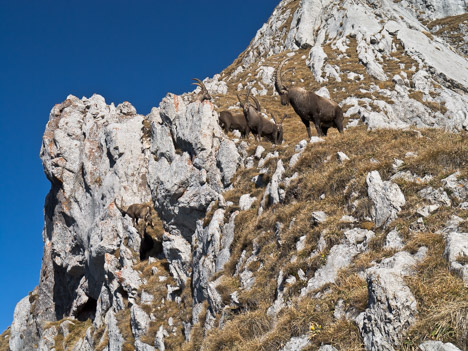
x=133 y=51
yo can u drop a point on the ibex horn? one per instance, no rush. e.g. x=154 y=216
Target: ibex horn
x=282 y=119
x=257 y=104
x=274 y=119
x=200 y=84
x=277 y=75
x=240 y=102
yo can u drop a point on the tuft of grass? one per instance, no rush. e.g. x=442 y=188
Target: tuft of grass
x=5 y=339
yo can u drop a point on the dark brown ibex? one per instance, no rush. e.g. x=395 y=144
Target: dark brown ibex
x=136 y=212
x=323 y=112
x=203 y=94
x=234 y=120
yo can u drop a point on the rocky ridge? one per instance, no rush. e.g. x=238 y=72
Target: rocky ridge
x=267 y=247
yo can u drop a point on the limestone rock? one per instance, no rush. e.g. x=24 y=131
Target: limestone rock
x=437 y=346
x=457 y=247
x=245 y=202
x=386 y=197
x=296 y=343
x=139 y=321
x=340 y=256
x=392 y=307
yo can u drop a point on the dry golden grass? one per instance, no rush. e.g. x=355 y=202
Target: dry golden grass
x=442 y=298
x=77 y=331
x=4 y=340
x=321 y=173
x=451 y=29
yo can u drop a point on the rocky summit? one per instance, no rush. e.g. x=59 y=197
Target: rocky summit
x=172 y=232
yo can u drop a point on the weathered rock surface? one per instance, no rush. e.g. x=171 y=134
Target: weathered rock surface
x=389 y=300
x=340 y=256
x=438 y=346
x=178 y=160
x=386 y=197
x=95 y=155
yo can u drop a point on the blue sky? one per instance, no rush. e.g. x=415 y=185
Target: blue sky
x=133 y=51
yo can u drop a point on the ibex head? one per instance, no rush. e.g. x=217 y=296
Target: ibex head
x=279 y=127
x=204 y=95
x=280 y=88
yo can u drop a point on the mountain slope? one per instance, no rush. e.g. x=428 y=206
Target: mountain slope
x=356 y=241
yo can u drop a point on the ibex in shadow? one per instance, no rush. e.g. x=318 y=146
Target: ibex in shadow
x=324 y=113
x=203 y=94
x=136 y=212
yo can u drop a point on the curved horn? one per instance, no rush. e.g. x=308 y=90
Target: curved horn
x=240 y=102
x=200 y=84
x=274 y=119
x=282 y=119
x=247 y=97
x=257 y=104
x=277 y=75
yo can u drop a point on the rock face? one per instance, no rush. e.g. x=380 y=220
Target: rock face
x=389 y=299
x=96 y=155
x=378 y=27
x=103 y=159
x=386 y=197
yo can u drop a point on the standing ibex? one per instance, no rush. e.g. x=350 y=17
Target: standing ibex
x=259 y=125
x=252 y=115
x=229 y=121
x=136 y=212
x=323 y=112
x=203 y=94
x=274 y=132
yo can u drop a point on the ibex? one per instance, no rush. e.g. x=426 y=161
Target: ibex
x=259 y=125
x=136 y=212
x=273 y=131
x=323 y=112
x=203 y=94
x=252 y=115
x=229 y=121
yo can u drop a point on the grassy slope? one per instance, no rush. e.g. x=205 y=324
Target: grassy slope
x=439 y=292
x=441 y=296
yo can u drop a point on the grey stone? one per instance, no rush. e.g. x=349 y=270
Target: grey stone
x=327 y=348
x=342 y=157
x=139 y=321
x=296 y=343
x=272 y=193
x=386 y=197
x=159 y=340
x=394 y=241
x=259 y=151
x=319 y=217
x=435 y=196
x=457 y=246
x=437 y=346
x=178 y=253
x=392 y=307
x=340 y=256
x=19 y=327
x=458 y=187
x=141 y=346
x=246 y=202
x=315 y=139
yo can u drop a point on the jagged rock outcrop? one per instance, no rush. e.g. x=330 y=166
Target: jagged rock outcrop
x=123 y=275
x=95 y=155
